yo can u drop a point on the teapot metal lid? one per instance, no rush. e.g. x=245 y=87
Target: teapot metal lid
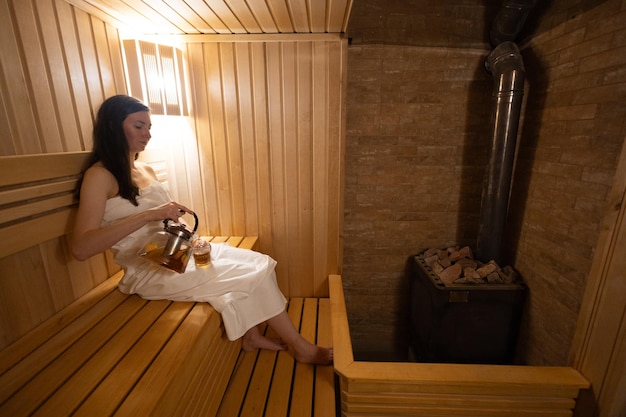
x=179 y=229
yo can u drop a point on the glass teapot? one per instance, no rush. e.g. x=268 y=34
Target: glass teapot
x=171 y=247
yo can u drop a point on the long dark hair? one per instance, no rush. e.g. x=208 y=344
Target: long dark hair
x=110 y=146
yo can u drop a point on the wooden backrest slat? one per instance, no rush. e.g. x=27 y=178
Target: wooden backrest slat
x=36 y=198
x=20 y=236
x=22 y=169
x=36 y=208
x=37 y=191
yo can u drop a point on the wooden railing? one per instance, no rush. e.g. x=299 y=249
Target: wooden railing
x=429 y=389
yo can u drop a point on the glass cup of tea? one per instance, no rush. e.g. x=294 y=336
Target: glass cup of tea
x=201 y=252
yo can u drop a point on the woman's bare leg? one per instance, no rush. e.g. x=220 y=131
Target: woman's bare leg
x=304 y=351
x=253 y=339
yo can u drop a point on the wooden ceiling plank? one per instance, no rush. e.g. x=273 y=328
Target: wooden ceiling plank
x=280 y=11
x=191 y=16
x=207 y=14
x=339 y=11
x=317 y=12
x=161 y=23
x=226 y=15
x=164 y=9
x=244 y=14
x=98 y=9
x=264 y=16
x=299 y=15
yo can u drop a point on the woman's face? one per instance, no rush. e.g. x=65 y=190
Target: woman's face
x=137 y=130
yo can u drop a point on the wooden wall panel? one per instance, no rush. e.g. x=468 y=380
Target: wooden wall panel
x=269 y=126
x=58 y=64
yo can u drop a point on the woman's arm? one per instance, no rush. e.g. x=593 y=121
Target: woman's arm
x=88 y=237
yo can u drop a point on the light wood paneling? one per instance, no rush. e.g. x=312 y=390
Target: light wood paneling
x=268 y=116
x=58 y=64
x=599 y=346
x=269 y=125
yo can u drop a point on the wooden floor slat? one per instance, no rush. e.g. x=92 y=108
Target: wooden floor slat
x=280 y=393
x=238 y=385
x=324 y=404
x=269 y=384
x=302 y=395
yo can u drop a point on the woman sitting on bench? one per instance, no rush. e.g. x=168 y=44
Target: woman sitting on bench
x=122 y=204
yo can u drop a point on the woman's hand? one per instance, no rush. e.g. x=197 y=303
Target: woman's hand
x=171 y=211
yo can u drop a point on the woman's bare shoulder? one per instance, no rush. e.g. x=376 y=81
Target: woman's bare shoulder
x=97 y=176
x=146 y=169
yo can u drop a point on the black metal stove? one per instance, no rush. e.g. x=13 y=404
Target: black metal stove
x=463 y=323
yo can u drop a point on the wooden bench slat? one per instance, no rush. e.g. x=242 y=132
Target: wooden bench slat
x=80 y=384
x=110 y=393
x=234 y=240
x=172 y=369
x=29 y=397
x=33 y=339
x=23 y=371
x=248 y=242
x=208 y=385
x=217 y=239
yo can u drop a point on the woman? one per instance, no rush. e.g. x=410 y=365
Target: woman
x=122 y=204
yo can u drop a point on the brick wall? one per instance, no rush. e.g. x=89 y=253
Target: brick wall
x=415 y=154
x=417 y=133
x=573 y=132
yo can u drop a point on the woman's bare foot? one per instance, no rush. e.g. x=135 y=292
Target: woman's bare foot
x=315 y=355
x=253 y=339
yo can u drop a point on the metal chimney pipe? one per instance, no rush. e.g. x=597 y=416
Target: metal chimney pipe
x=506 y=65
x=509 y=20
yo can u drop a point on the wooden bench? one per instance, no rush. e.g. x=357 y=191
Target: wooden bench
x=108 y=353
x=435 y=389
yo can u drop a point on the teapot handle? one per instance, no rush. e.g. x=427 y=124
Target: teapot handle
x=195 y=217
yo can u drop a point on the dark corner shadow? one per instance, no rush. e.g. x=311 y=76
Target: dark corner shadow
x=402 y=327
